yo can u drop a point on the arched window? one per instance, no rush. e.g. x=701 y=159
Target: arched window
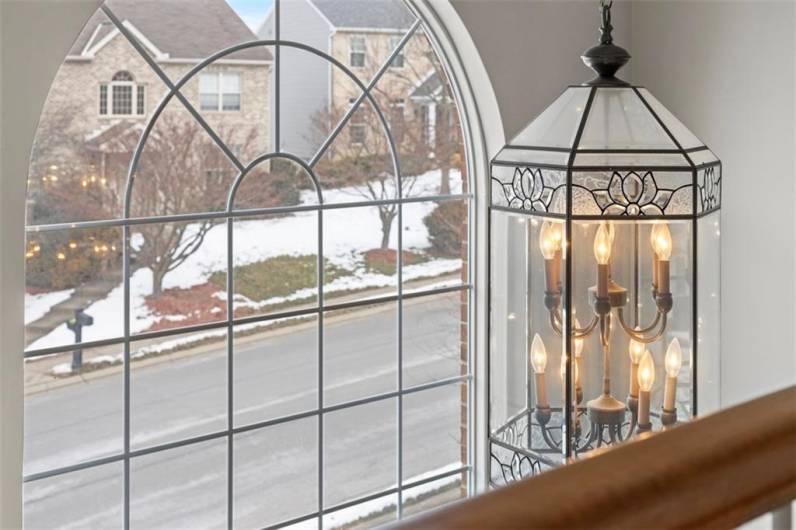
x=122 y=97
x=254 y=318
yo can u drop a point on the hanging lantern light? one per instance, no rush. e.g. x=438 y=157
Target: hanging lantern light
x=641 y=271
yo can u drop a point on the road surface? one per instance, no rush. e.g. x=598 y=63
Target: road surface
x=276 y=468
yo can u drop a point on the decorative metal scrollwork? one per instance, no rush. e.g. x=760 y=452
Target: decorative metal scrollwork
x=531 y=189
x=631 y=194
x=709 y=189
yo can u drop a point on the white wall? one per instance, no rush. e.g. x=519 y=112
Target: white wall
x=726 y=69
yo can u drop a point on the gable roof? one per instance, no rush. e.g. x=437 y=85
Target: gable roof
x=179 y=29
x=366 y=14
x=429 y=88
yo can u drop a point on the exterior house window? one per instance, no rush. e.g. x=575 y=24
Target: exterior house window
x=397 y=119
x=357 y=133
x=219 y=91
x=398 y=61
x=357 y=52
x=122 y=96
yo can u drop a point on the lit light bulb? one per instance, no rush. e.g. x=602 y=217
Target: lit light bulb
x=550 y=239
x=646 y=372
x=674 y=358
x=602 y=245
x=661 y=240
x=538 y=355
x=636 y=350
x=577 y=342
x=563 y=370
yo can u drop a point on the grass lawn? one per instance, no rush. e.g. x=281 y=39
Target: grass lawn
x=278 y=276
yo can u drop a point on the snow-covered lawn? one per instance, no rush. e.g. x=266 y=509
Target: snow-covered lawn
x=347 y=233
x=37 y=305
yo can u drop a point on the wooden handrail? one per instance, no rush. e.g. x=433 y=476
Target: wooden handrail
x=715 y=472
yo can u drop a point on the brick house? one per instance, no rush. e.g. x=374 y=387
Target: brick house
x=361 y=34
x=108 y=92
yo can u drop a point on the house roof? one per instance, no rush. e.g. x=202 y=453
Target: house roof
x=366 y=14
x=181 y=29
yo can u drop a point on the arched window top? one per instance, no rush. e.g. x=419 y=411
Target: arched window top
x=122 y=75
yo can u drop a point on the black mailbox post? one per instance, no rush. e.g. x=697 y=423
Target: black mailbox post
x=76 y=324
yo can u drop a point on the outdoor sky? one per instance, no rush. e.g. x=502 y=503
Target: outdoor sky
x=251 y=11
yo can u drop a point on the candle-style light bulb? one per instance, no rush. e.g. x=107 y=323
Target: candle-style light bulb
x=602 y=244
x=538 y=355
x=636 y=350
x=563 y=370
x=672 y=363
x=646 y=372
x=674 y=358
x=550 y=239
x=577 y=342
x=646 y=377
x=661 y=240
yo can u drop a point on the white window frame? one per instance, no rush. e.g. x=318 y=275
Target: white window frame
x=358 y=50
x=135 y=89
x=220 y=92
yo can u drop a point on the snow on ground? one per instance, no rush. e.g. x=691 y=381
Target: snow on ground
x=37 y=305
x=347 y=233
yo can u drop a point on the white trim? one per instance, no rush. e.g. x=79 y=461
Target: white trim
x=148 y=44
x=91 y=39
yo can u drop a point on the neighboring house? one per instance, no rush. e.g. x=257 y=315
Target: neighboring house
x=360 y=34
x=106 y=92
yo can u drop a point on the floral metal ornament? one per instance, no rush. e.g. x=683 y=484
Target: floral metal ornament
x=632 y=194
x=528 y=190
x=710 y=189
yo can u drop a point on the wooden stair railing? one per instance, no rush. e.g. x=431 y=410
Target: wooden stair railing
x=718 y=471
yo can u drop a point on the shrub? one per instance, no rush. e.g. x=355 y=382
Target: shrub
x=446 y=225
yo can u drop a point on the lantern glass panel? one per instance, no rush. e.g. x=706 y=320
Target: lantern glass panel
x=708 y=311
x=618 y=119
x=685 y=138
x=558 y=124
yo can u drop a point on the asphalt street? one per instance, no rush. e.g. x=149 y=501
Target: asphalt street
x=275 y=468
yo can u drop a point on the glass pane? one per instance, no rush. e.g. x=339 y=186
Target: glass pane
x=314 y=94
x=634 y=159
x=275 y=264
x=167 y=405
x=434 y=494
x=70 y=272
x=531 y=189
x=208 y=102
x=230 y=83
x=90 y=498
x=208 y=83
x=359 y=246
x=276 y=474
x=352 y=474
x=80 y=156
x=709 y=312
x=380 y=511
x=705 y=156
x=435 y=244
x=74 y=408
x=685 y=137
x=435 y=337
x=360 y=352
x=435 y=431
x=276 y=369
x=418 y=102
x=557 y=125
x=180 y=488
x=175 y=279
x=618 y=119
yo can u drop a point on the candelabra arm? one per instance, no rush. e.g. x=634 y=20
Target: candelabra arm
x=585 y=332
x=555 y=322
x=639 y=335
x=578 y=333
